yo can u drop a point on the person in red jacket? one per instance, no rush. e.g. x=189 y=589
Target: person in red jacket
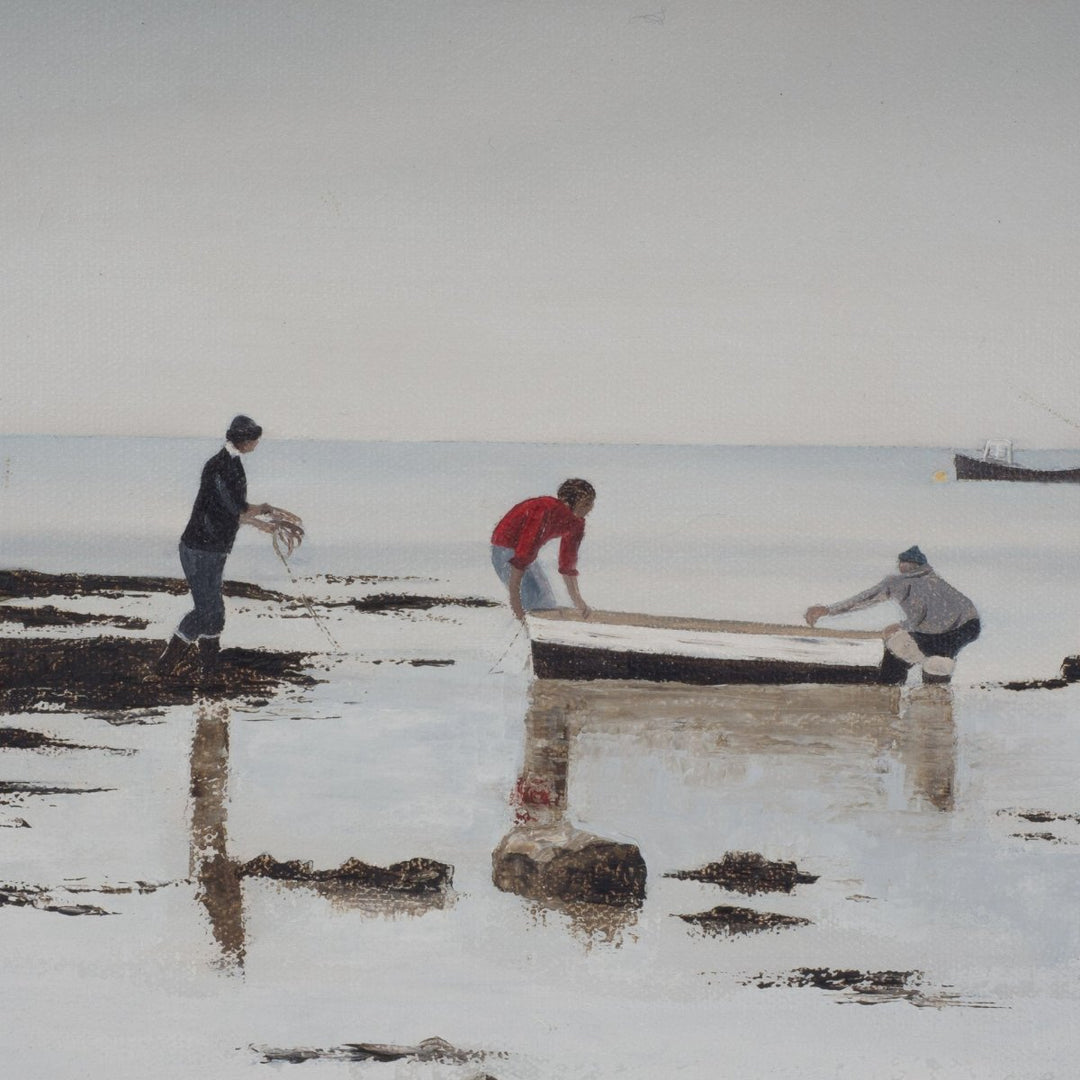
x=521 y=534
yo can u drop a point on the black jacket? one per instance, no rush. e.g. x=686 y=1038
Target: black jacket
x=222 y=498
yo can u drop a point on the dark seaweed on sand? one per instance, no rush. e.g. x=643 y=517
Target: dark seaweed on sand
x=111 y=673
x=414 y=876
x=749 y=873
x=739 y=920
x=31 y=583
x=53 y=616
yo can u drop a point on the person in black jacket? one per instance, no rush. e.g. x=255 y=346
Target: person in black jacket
x=221 y=507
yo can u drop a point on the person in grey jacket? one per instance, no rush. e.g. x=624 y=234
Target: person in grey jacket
x=939 y=620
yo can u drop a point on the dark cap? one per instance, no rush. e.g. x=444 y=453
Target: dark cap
x=243 y=429
x=912 y=555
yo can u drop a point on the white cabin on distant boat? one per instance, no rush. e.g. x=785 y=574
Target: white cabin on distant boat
x=998 y=450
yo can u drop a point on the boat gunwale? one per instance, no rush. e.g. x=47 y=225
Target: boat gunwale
x=674 y=622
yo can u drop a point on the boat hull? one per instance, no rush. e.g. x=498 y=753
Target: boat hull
x=699 y=652
x=969 y=468
x=569 y=662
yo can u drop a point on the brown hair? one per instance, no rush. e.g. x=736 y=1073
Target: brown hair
x=571 y=491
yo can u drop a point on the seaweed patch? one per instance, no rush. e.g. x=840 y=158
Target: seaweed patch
x=33 y=583
x=21 y=739
x=750 y=873
x=47 y=615
x=433 y=1050
x=41 y=899
x=413 y=876
x=869 y=987
x=386 y=602
x=728 y=920
x=13 y=790
x=105 y=673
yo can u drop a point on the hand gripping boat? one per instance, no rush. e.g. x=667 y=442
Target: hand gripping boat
x=657 y=648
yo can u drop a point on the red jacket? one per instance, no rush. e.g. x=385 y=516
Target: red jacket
x=532 y=523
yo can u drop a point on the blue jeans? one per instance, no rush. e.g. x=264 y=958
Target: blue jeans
x=203 y=570
x=536 y=591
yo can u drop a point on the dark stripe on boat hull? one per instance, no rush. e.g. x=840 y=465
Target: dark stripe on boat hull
x=968 y=468
x=573 y=662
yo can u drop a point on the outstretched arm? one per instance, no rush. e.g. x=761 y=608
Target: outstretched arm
x=575 y=595
x=875 y=594
x=275 y=513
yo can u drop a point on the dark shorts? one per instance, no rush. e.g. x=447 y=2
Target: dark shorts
x=893 y=669
x=949 y=643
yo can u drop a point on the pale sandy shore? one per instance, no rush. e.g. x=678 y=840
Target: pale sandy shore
x=834 y=880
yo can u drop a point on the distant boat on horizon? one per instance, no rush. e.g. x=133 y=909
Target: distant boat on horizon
x=996 y=463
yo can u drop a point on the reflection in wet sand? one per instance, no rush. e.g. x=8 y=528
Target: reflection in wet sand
x=715 y=734
x=928 y=746
x=412 y=887
x=343 y=896
x=734 y=719
x=218 y=884
x=841 y=736
x=597 y=883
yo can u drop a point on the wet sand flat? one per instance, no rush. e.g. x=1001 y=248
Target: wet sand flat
x=185 y=862
x=929 y=928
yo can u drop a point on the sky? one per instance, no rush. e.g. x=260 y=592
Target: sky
x=590 y=221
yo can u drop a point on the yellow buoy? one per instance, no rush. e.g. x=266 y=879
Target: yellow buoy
x=940 y=476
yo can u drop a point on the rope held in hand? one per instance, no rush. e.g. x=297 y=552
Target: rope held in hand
x=303 y=598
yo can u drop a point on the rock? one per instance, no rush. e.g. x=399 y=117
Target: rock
x=1070 y=668
x=558 y=862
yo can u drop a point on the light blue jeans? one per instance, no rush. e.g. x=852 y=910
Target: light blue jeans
x=536 y=591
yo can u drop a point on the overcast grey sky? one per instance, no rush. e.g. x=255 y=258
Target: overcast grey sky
x=628 y=220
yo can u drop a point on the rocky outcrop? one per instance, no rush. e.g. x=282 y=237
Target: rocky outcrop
x=557 y=862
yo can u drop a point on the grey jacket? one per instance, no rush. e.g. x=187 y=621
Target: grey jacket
x=930 y=605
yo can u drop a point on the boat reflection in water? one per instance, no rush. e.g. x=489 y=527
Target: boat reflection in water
x=743 y=744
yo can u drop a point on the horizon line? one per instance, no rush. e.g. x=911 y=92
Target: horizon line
x=1020 y=444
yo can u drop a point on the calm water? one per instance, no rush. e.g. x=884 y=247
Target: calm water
x=910 y=818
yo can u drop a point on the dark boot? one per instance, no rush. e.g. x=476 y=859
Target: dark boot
x=209 y=661
x=173 y=656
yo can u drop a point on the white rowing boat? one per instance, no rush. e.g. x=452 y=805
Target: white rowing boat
x=656 y=648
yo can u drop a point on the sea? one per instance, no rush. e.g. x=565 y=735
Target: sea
x=945 y=851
